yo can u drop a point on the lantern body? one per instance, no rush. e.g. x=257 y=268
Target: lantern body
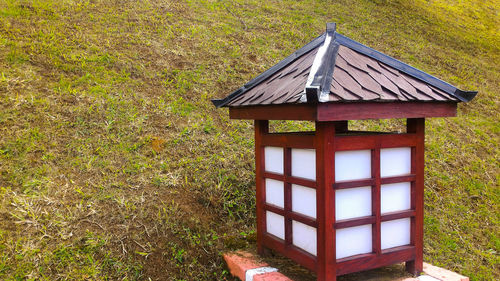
x=333 y=200
x=338 y=202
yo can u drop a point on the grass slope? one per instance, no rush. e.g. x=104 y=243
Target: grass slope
x=115 y=165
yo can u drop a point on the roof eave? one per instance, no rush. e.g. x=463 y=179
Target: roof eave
x=339 y=111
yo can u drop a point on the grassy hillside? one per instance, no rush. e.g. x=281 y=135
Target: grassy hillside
x=115 y=165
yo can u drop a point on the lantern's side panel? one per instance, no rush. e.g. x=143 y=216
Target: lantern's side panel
x=286 y=194
x=393 y=162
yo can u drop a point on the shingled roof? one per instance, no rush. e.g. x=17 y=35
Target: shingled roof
x=333 y=68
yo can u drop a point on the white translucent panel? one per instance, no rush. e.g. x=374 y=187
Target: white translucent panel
x=353 y=241
x=273 y=159
x=275 y=225
x=304 y=200
x=275 y=193
x=353 y=165
x=395 y=197
x=395 y=161
x=304 y=237
x=304 y=163
x=353 y=202
x=395 y=233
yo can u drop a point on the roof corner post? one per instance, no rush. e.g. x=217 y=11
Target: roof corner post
x=321 y=73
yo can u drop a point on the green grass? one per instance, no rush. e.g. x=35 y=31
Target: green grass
x=115 y=165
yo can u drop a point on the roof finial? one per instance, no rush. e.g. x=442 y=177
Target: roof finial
x=331 y=27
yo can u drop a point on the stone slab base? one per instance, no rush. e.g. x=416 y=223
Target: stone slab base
x=247 y=267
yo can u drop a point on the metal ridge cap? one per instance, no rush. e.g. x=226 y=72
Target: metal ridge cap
x=320 y=76
x=464 y=96
x=266 y=74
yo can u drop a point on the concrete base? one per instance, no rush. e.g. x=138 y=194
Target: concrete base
x=247 y=267
x=239 y=263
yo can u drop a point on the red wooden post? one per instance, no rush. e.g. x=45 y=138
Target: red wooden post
x=376 y=227
x=261 y=129
x=325 y=198
x=341 y=126
x=287 y=172
x=417 y=127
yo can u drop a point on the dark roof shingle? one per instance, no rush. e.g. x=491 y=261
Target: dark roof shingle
x=359 y=74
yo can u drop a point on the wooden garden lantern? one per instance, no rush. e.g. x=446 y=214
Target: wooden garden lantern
x=338 y=201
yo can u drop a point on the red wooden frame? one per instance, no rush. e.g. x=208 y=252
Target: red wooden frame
x=326 y=142
x=325 y=112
